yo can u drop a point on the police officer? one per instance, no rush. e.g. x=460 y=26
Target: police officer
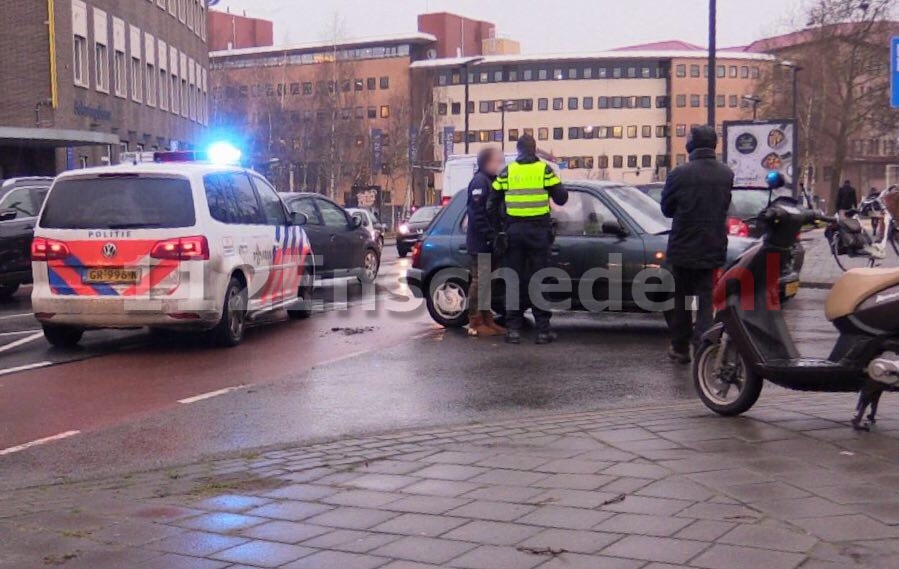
x=525 y=187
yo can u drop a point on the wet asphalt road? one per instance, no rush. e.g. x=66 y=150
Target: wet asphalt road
x=363 y=370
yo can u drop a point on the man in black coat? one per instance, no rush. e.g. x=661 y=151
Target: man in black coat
x=847 y=198
x=697 y=197
x=479 y=241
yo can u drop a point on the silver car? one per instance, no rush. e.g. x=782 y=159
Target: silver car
x=371 y=223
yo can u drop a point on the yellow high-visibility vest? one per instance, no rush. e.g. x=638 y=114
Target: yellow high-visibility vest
x=524 y=188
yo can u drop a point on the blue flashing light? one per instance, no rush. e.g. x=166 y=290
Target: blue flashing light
x=223 y=153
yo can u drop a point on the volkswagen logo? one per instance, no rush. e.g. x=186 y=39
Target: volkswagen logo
x=110 y=250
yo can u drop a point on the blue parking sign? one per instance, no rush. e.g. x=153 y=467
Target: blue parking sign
x=894 y=72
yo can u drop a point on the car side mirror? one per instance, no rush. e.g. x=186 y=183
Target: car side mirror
x=613 y=228
x=8 y=214
x=355 y=221
x=298 y=218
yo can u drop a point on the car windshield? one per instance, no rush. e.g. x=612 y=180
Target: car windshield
x=747 y=203
x=644 y=210
x=119 y=203
x=424 y=215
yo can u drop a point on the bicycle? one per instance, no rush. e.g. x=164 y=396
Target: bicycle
x=853 y=247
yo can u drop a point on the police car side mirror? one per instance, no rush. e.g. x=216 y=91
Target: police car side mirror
x=298 y=218
x=8 y=214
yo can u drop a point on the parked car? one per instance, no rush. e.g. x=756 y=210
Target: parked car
x=600 y=219
x=746 y=204
x=20 y=202
x=412 y=229
x=340 y=243
x=371 y=223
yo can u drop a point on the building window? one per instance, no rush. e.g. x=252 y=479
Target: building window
x=588 y=103
x=484 y=106
x=617 y=132
x=119 y=74
x=694 y=71
x=163 y=89
x=101 y=59
x=513 y=135
x=662 y=102
x=720 y=72
x=385 y=111
x=572 y=103
x=307 y=88
x=371 y=83
x=498 y=76
x=681 y=130
x=558 y=104
x=80 y=65
x=137 y=74
x=151 y=85
x=372 y=112
x=542 y=133
x=542 y=104
x=754 y=74
x=456 y=108
x=681 y=159
x=733 y=101
x=732 y=71
x=661 y=131
x=384 y=82
x=441 y=109
x=681 y=101
x=632 y=161
x=602 y=162
x=646 y=131
x=662 y=161
x=744 y=72
x=681 y=70
x=588 y=73
x=646 y=161
x=617 y=102
x=694 y=101
x=632 y=131
x=574 y=132
x=719 y=101
x=176 y=95
x=558 y=133
x=603 y=103
x=617 y=162
x=513 y=75
x=527 y=75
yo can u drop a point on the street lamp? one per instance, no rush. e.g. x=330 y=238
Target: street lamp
x=503 y=105
x=713 y=61
x=796 y=164
x=465 y=65
x=754 y=100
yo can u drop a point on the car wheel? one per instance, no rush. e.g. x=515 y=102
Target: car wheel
x=448 y=302
x=729 y=390
x=7 y=290
x=230 y=329
x=63 y=336
x=381 y=243
x=371 y=263
x=303 y=308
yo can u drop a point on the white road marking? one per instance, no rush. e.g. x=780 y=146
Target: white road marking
x=17 y=369
x=19 y=332
x=21 y=341
x=43 y=441
x=211 y=394
x=19 y=315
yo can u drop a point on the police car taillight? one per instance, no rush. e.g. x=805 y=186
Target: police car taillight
x=43 y=249
x=182 y=249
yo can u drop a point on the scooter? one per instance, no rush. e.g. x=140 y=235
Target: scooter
x=750 y=341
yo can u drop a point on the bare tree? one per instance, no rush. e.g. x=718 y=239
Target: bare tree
x=843 y=87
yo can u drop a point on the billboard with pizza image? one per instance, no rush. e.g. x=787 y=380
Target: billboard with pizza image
x=752 y=149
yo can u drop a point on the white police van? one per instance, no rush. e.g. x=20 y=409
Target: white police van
x=178 y=243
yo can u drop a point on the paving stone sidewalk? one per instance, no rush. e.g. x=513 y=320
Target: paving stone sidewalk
x=790 y=485
x=820 y=269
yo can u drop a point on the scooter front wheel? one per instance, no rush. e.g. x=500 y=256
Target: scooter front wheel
x=724 y=382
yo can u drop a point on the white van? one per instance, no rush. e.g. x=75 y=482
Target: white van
x=459 y=169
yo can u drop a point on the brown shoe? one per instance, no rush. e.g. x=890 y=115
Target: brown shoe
x=491 y=323
x=477 y=327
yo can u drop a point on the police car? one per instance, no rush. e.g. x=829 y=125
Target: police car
x=179 y=243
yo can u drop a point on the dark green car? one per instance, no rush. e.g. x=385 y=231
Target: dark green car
x=604 y=226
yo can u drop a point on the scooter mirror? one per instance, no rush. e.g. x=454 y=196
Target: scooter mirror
x=775 y=180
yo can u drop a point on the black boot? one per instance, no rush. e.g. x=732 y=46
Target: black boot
x=546 y=338
x=513 y=337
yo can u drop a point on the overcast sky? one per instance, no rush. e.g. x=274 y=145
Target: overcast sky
x=542 y=26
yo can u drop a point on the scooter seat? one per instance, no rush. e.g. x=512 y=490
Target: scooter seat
x=856 y=286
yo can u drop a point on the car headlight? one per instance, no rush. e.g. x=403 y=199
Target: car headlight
x=404 y=229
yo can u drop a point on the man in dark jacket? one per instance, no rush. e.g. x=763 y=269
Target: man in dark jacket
x=847 y=198
x=697 y=197
x=479 y=241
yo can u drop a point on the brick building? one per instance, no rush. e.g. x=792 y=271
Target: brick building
x=456 y=35
x=85 y=79
x=231 y=31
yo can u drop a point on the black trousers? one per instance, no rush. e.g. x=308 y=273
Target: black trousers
x=528 y=253
x=687 y=283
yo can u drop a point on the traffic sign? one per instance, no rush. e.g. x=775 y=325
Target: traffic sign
x=894 y=72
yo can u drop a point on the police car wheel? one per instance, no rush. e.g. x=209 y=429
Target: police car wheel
x=7 y=290
x=63 y=336
x=371 y=264
x=448 y=302
x=229 y=331
x=303 y=308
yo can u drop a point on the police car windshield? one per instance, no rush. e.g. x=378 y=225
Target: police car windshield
x=119 y=203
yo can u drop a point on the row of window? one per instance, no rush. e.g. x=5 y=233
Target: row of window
x=873 y=147
x=306 y=88
x=721 y=101
x=721 y=71
x=314 y=57
x=559 y=133
x=557 y=104
x=158 y=74
x=547 y=72
x=604 y=162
